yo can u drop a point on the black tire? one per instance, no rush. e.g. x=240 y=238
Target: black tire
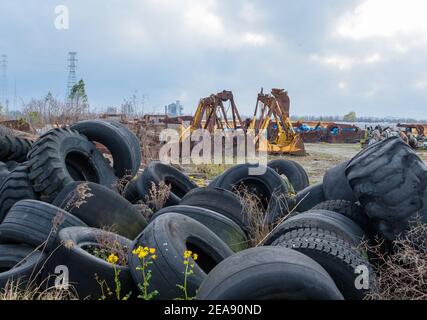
x=309 y=197
x=389 y=180
x=133 y=141
x=331 y=221
x=268 y=273
x=335 y=184
x=219 y=200
x=349 y=209
x=227 y=230
x=295 y=173
x=118 y=140
x=335 y=255
x=36 y=224
x=17 y=186
x=171 y=235
x=14 y=148
x=131 y=193
x=155 y=173
x=84 y=267
x=100 y=207
x=62 y=156
x=20 y=264
x=4 y=172
x=12 y=165
x=269 y=187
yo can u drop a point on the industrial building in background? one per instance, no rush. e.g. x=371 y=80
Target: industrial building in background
x=174 y=109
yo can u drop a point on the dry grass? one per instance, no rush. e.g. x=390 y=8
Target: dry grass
x=144 y=209
x=155 y=200
x=30 y=290
x=149 y=135
x=108 y=243
x=158 y=195
x=122 y=183
x=255 y=212
x=50 y=111
x=211 y=171
x=255 y=215
x=402 y=274
x=18 y=291
x=80 y=198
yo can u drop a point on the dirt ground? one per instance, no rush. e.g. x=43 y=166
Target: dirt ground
x=322 y=156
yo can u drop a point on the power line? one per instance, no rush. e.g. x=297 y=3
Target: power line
x=72 y=78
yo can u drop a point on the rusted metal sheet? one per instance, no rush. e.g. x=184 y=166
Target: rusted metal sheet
x=330 y=132
x=419 y=129
x=343 y=133
x=20 y=125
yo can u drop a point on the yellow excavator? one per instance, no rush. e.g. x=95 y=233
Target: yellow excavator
x=273 y=112
x=271 y=116
x=211 y=113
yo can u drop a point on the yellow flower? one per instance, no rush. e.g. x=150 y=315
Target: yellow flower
x=154 y=257
x=152 y=251
x=142 y=254
x=112 y=258
x=187 y=254
x=137 y=251
x=195 y=256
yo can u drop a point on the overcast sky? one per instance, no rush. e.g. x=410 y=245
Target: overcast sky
x=332 y=56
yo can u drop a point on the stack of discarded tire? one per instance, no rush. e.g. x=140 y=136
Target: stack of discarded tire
x=63 y=200
x=60 y=191
x=379 y=193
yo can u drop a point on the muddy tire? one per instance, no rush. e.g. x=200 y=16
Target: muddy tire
x=62 y=156
x=348 y=209
x=389 y=180
x=118 y=139
x=268 y=273
x=331 y=221
x=155 y=173
x=20 y=264
x=99 y=207
x=16 y=186
x=335 y=255
x=83 y=267
x=223 y=227
x=269 y=187
x=14 y=148
x=171 y=235
x=218 y=200
x=295 y=173
x=335 y=184
x=309 y=197
x=35 y=223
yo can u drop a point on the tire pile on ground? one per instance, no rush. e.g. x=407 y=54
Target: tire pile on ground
x=62 y=202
